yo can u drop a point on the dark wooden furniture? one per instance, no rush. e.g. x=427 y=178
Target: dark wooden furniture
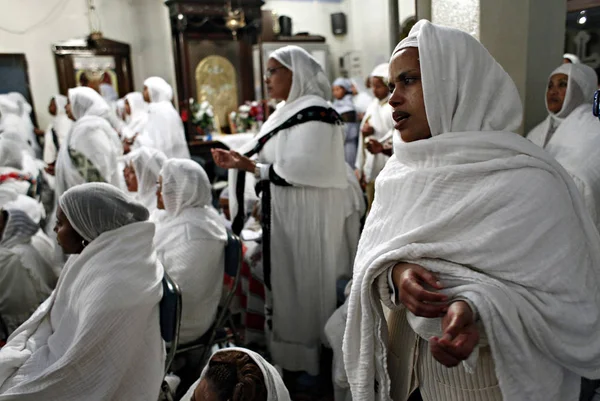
x=198 y=30
x=66 y=52
x=14 y=77
x=577 y=5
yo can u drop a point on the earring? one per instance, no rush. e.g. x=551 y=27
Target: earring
x=83 y=243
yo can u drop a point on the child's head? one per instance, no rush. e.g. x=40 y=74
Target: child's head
x=379 y=87
x=341 y=87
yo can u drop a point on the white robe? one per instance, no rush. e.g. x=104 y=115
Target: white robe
x=379 y=116
x=97 y=337
x=61 y=124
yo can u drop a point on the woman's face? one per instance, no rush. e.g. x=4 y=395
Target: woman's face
x=278 y=79
x=557 y=90
x=146 y=94
x=66 y=236
x=52 y=107
x=204 y=392
x=127 y=107
x=380 y=89
x=130 y=178
x=339 y=92
x=159 y=199
x=69 y=111
x=407 y=96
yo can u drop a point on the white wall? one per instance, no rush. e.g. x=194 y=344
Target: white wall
x=69 y=21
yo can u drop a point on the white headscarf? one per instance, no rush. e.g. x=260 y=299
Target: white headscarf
x=9 y=106
x=308 y=75
x=184 y=185
x=87 y=102
x=159 y=89
x=10 y=153
x=18 y=229
x=61 y=102
x=572 y=58
x=95 y=208
x=147 y=163
x=381 y=71
x=276 y=390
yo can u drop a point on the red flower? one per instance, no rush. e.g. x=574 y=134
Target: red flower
x=184 y=116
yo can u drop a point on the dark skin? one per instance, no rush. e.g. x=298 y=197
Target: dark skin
x=224 y=205
x=3 y=220
x=418 y=288
x=127 y=107
x=68 y=239
x=146 y=94
x=130 y=178
x=69 y=111
x=339 y=92
x=159 y=199
x=204 y=392
x=279 y=83
x=52 y=110
x=557 y=91
x=376 y=147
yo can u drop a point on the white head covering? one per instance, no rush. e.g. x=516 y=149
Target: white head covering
x=136 y=104
x=464 y=88
x=11 y=154
x=581 y=86
x=344 y=83
x=108 y=92
x=18 y=229
x=147 y=163
x=382 y=71
x=276 y=390
x=9 y=106
x=159 y=89
x=184 y=185
x=19 y=99
x=572 y=58
x=308 y=75
x=87 y=102
x=61 y=103
x=95 y=208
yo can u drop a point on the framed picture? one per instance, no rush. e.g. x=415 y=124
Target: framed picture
x=101 y=64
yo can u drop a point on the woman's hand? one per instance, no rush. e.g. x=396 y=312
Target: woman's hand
x=374 y=146
x=409 y=280
x=229 y=159
x=367 y=130
x=39 y=132
x=460 y=337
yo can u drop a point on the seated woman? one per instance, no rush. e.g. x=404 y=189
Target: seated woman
x=190 y=242
x=97 y=337
x=491 y=254
x=26 y=278
x=142 y=167
x=92 y=148
x=238 y=374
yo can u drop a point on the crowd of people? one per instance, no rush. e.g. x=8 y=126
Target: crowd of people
x=402 y=243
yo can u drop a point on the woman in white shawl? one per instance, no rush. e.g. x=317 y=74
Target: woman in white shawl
x=142 y=168
x=57 y=130
x=486 y=241
x=238 y=374
x=571 y=133
x=377 y=125
x=92 y=148
x=25 y=114
x=342 y=103
x=136 y=111
x=26 y=279
x=302 y=173
x=190 y=242
x=97 y=337
x=164 y=129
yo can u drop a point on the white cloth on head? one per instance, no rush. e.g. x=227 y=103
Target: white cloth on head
x=276 y=390
x=345 y=83
x=308 y=226
x=164 y=129
x=581 y=85
x=25 y=110
x=147 y=163
x=139 y=113
x=102 y=317
x=308 y=75
x=572 y=58
x=11 y=119
x=381 y=71
x=363 y=98
x=190 y=242
x=92 y=136
x=26 y=279
x=494 y=217
x=61 y=125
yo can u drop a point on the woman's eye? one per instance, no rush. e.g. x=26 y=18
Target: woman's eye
x=410 y=81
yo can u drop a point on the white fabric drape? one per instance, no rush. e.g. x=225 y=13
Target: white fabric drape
x=379 y=116
x=25 y=115
x=139 y=113
x=164 y=129
x=495 y=217
x=61 y=124
x=581 y=85
x=147 y=163
x=102 y=317
x=276 y=390
x=92 y=136
x=190 y=242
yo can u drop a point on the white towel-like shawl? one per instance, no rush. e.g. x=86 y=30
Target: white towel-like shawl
x=97 y=337
x=275 y=388
x=147 y=163
x=499 y=220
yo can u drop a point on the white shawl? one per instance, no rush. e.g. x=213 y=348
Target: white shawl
x=190 y=242
x=164 y=129
x=581 y=86
x=139 y=113
x=61 y=124
x=97 y=337
x=276 y=390
x=496 y=218
x=147 y=163
x=92 y=136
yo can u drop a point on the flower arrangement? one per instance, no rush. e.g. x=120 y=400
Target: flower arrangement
x=248 y=117
x=202 y=116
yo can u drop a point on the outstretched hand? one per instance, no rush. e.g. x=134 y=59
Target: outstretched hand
x=460 y=337
x=230 y=159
